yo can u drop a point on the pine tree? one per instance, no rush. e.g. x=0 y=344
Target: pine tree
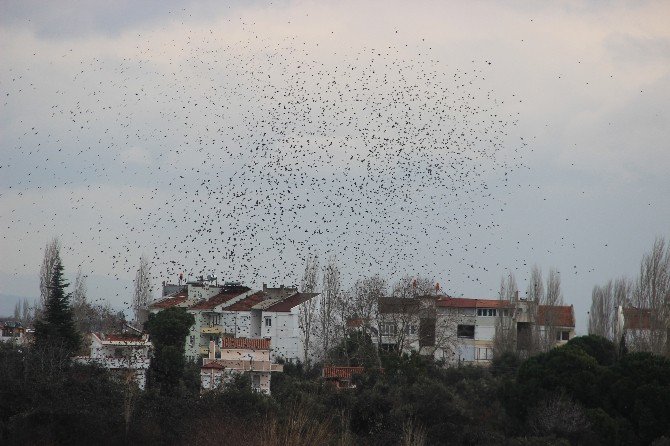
x=56 y=328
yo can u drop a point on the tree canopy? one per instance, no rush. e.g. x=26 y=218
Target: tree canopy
x=56 y=327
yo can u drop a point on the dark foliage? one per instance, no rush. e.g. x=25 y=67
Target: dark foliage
x=576 y=394
x=169 y=370
x=56 y=327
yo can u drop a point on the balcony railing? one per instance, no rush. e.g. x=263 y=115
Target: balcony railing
x=212 y=329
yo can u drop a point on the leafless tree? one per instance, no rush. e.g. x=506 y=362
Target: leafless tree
x=327 y=304
x=446 y=334
x=409 y=287
x=365 y=296
x=307 y=313
x=535 y=296
x=558 y=416
x=535 y=291
x=51 y=256
x=554 y=295
x=552 y=298
x=399 y=321
x=603 y=311
x=605 y=301
x=17 y=311
x=80 y=306
x=504 y=339
x=652 y=292
x=142 y=291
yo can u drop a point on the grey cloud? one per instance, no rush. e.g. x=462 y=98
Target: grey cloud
x=68 y=19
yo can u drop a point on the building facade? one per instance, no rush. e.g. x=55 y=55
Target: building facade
x=126 y=354
x=462 y=330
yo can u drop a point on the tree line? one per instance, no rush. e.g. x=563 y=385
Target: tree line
x=646 y=297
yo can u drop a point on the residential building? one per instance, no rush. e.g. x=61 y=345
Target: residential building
x=643 y=330
x=126 y=354
x=464 y=330
x=341 y=377
x=239 y=356
x=233 y=310
x=12 y=331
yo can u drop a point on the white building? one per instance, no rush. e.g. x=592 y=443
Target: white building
x=460 y=330
x=236 y=311
x=126 y=354
x=239 y=356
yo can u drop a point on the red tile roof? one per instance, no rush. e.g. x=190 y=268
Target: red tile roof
x=170 y=301
x=341 y=372
x=219 y=299
x=355 y=322
x=461 y=302
x=245 y=343
x=291 y=302
x=248 y=302
x=557 y=316
x=213 y=365
x=637 y=318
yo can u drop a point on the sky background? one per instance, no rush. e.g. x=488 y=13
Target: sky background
x=133 y=129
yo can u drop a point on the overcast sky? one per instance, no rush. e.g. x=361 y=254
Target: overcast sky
x=105 y=142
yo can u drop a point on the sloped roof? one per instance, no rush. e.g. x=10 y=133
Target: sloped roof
x=262 y=305
x=213 y=365
x=122 y=339
x=341 y=372
x=462 y=302
x=170 y=301
x=245 y=343
x=636 y=318
x=283 y=304
x=221 y=298
x=248 y=302
x=557 y=316
x=389 y=305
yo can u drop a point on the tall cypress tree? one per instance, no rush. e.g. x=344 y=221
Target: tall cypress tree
x=56 y=327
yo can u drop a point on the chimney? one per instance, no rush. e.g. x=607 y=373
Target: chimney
x=516 y=295
x=265 y=287
x=212 y=350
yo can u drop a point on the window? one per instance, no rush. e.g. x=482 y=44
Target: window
x=486 y=312
x=465 y=331
x=562 y=335
x=118 y=352
x=505 y=312
x=215 y=319
x=388 y=329
x=484 y=353
x=268 y=322
x=410 y=329
x=191 y=340
x=467 y=311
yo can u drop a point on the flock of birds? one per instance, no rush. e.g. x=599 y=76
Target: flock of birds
x=244 y=159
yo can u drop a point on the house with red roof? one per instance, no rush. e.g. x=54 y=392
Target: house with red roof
x=341 y=377
x=239 y=356
x=463 y=330
x=233 y=310
x=644 y=329
x=126 y=354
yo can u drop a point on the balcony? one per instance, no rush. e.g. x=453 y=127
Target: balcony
x=212 y=329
